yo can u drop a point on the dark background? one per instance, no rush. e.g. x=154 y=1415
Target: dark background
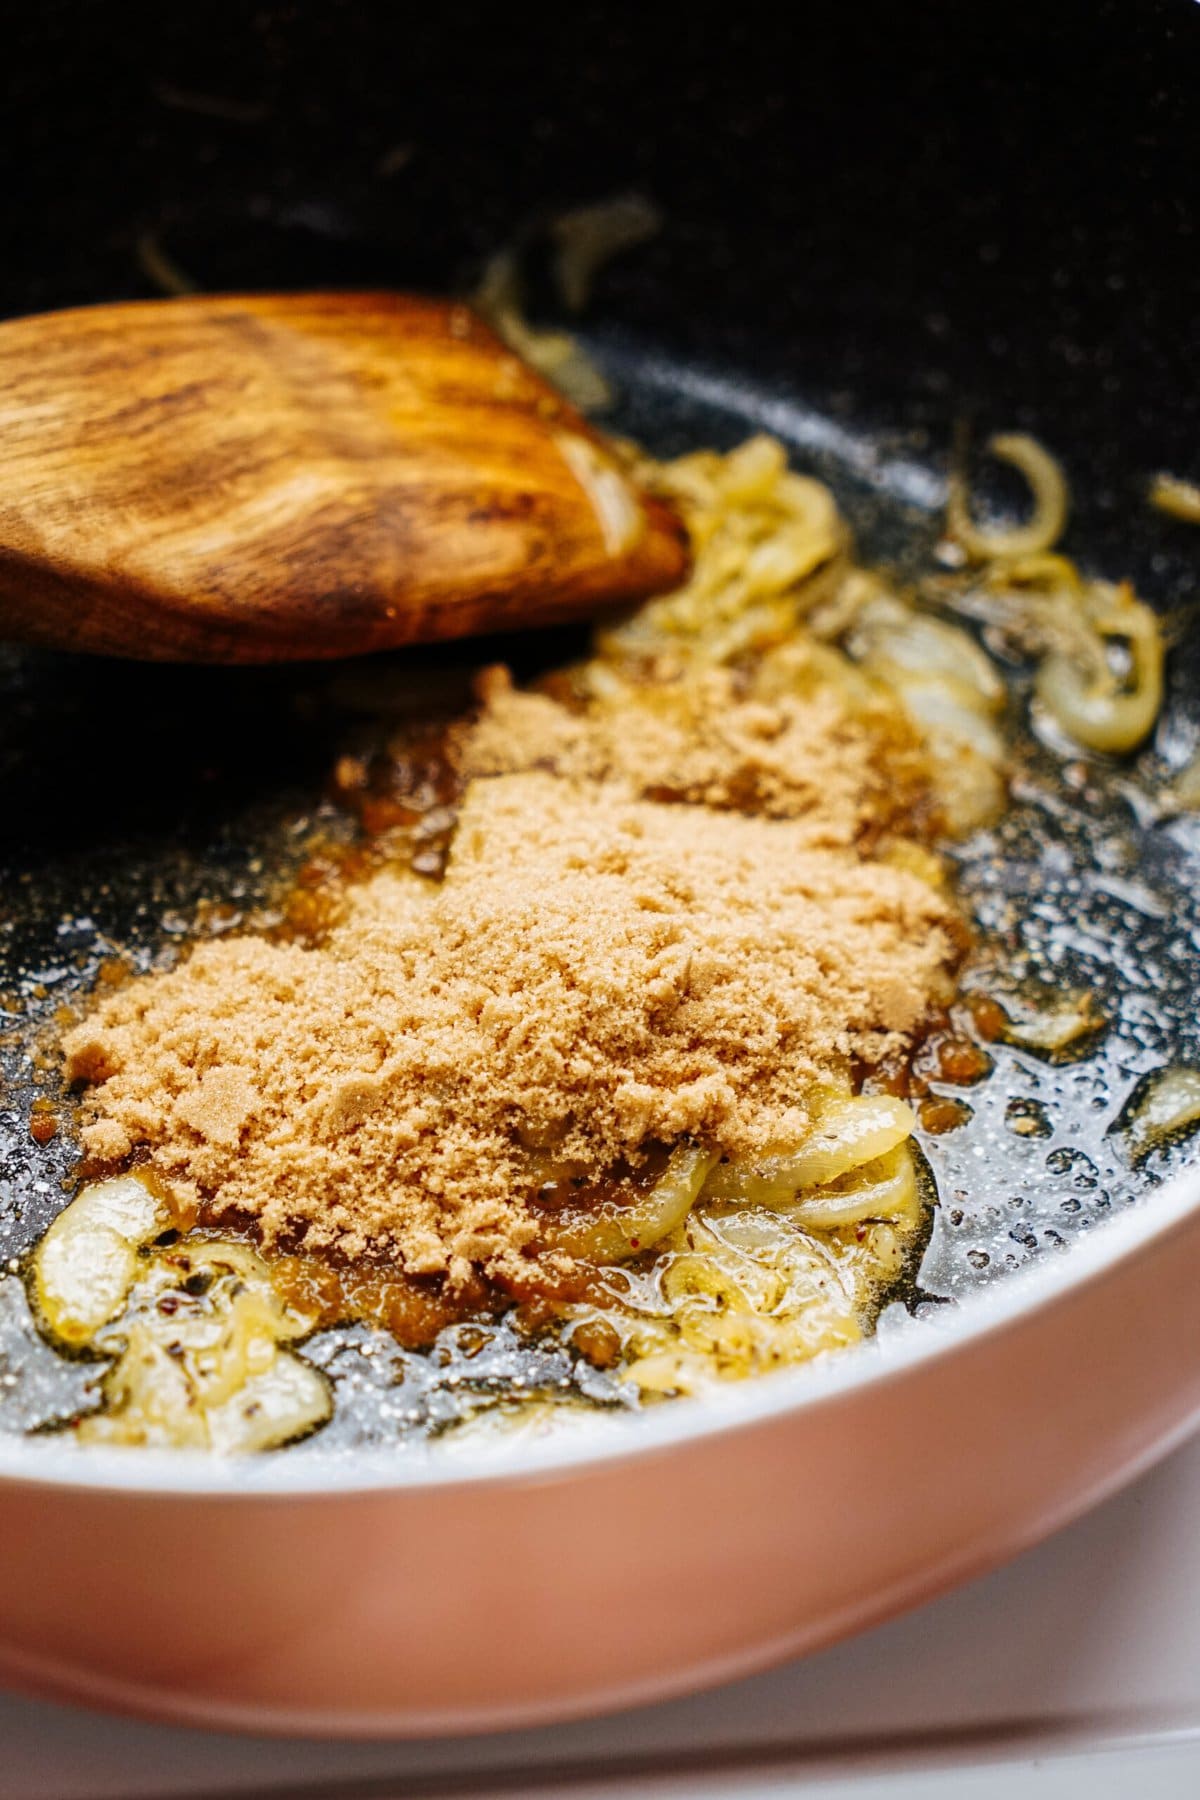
x=905 y=200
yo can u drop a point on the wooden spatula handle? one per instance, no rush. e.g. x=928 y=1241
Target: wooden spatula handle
x=259 y=478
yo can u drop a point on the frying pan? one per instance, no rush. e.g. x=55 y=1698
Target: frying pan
x=877 y=224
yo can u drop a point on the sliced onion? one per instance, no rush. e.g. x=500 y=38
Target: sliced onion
x=1045 y=525
x=613 y=500
x=1183 y=794
x=1052 y=1019
x=851 y=1133
x=1171 y=494
x=149 y=1399
x=674 y=1372
x=85 y=1265
x=285 y=1402
x=1169 y=1103
x=752 y=471
x=590 y=236
x=205 y=1371
x=970 y=790
x=781 y=561
x=620 y=1232
x=881 y=1190
x=948 y=713
x=1097 y=709
x=153 y=1399
x=889 y=636
x=555 y=354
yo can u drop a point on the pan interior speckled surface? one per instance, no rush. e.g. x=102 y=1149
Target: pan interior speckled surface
x=860 y=321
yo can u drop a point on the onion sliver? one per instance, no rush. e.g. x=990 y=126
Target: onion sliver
x=886 y=1188
x=889 y=637
x=1180 y=498
x=617 y=508
x=86 y=1263
x=851 y=1133
x=287 y=1400
x=1096 y=709
x=615 y=1233
x=1040 y=531
x=1169 y=1103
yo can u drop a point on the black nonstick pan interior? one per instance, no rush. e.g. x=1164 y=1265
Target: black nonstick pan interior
x=876 y=228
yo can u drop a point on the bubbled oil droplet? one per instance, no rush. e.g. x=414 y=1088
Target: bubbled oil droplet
x=1028 y=1118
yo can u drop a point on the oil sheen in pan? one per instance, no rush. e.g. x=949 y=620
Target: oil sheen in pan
x=131 y=795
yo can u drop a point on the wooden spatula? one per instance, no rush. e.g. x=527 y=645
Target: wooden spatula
x=257 y=479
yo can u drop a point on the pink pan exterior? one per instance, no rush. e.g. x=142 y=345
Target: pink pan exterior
x=517 y=1583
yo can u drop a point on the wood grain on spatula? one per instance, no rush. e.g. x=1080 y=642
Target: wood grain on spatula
x=264 y=478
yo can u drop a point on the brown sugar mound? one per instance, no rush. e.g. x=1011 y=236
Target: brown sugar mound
x=837 y=756
x=597 y=973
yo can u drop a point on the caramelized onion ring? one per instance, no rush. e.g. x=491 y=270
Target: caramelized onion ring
x=1040 y=531
x=851 y=1133
x=615 y=1233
